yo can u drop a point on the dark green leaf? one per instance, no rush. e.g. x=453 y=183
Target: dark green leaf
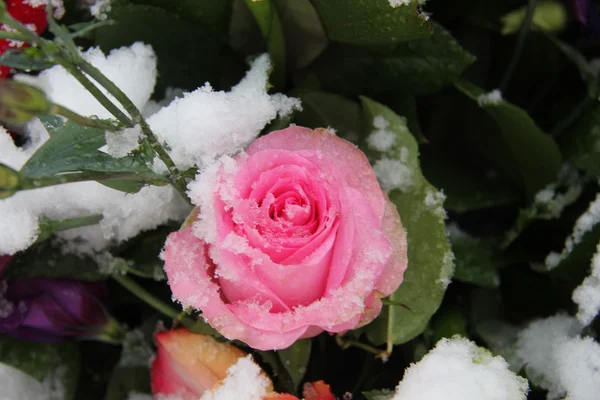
x=127 y=380
x=465 y=186
x=45 y=260
x=384 y=394
x=581 y=143
x=57 y=363
x=371 y=22
x=475 y=261
x=431 y=266
x=295 y=359
x=447 y=322
x=303 y=31
x=213 y=16
x=524 y=153
x=51 y=123
x=420 y=67
x=188 y=56
x=324 y=110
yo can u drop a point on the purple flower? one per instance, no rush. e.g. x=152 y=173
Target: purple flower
x=586 y=13
x=51 y=310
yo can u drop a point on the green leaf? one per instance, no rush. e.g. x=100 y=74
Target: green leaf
x=46 y=260
x=581 y=143
x=126 y=380
x=56 y=363
x=188 y=56
x=324 y=110
x=466 y=187
x=303 y=31
x=211 y=15
x=371 y=22
x=73 y=147
x=295 y=359
x=385 y=394
x=420 y=67
x=475 y=261
x=521 y=150
x=430 y=257
x=28 y=60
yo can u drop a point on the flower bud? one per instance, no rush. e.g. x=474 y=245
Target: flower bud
x=9 y=181
x=20 y=102
x=51 y=310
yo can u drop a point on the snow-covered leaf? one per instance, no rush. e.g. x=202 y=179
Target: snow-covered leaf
x=420 y=207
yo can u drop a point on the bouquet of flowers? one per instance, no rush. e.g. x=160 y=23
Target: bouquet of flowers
x=299 y=199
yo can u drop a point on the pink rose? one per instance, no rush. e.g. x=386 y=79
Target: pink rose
x=294 y=237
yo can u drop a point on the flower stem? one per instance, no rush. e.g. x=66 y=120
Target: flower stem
x=177 y=179
x=344 y=344
x=26 y=183
x=523 y=33
x=81 y=120
x=49 y=227
x=152 y=301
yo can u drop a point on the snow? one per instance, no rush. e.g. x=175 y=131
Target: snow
x=492 y=98
x=398 y=3
x=57 y=5
x=121 y=143
x=205 y=124
x=139 y=396
x=381 y=139
x=100 y=8
x=587 y=295
x=132 y=69
x=434 y=200
x=124 y=215
x=583 y=225
x=557 y=359
x=244 y=381
x=17 y=385
x=456 y=369
x=393 y=174
x=136 y=350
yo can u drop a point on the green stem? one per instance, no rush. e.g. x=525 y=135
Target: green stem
x=49 y=227
x=28 y=35
x=523 y=33
x=81 y=120
x=13 y=36
x=177 y=179
x=96 y=92
x=152 y=301
x=344 y=344
x=27 y=183
x=272 y=30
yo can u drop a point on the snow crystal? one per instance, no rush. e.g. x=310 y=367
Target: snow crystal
x=57 y=5
x=136 y=350
x=123 y=142
x=100 y=8
x=583 y=225
x=17 y=385
x=492 y=98
x=398 y=3
x=536 y=350
x=578 y=368
x=587 y=295
x=434 y=200
x=460 y=371
x=205 y=124
x=244 y=381
x=393 y=174
x=132 y=69
x=381 y=139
